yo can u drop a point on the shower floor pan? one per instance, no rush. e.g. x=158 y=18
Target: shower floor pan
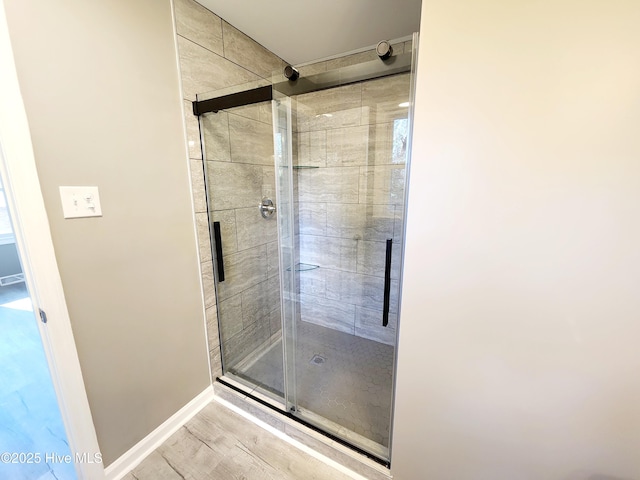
x=343 y=382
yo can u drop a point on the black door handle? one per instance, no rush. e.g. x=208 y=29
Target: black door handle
x=217 y=238
x=387 y=284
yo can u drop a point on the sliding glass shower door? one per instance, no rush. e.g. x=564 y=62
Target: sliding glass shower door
x=306 y=191
x=348 y=170
x=240 y=173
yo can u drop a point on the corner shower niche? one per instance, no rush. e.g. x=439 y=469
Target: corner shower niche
x=308 y=296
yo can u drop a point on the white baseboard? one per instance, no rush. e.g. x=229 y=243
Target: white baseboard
x=134 y=456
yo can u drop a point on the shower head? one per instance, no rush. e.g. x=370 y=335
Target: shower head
x=384 y=50
x=291 y=73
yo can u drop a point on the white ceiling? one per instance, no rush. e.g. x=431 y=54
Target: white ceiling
x=300 y=31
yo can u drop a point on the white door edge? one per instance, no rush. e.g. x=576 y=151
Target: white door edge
x=35 y=245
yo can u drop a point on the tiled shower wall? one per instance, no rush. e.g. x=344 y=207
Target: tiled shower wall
x=347 y=207
x=240 y=171
x=215 y=55
x=353 y=202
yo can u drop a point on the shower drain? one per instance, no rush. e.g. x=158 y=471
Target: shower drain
x=317 y=360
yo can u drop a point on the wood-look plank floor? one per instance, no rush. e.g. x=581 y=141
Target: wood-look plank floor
x=220 y=444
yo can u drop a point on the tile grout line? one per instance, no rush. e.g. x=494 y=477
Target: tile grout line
x=259 y=75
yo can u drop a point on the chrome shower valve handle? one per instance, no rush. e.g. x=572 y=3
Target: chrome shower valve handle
x=267 y=208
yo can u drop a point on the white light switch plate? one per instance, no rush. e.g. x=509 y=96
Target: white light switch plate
x=78 y=202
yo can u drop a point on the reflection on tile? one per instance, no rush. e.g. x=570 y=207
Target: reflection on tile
x=204 y=244
x=203 y=70
x=227 y=219
x=230 y=314
x=328 y=252
x=388 y=142
x=216 y=136
x=360 y=221
x=382 y=185
x=312 y=218
x=329 y=313
x=381 y=144
x=243 y=50
x=208 y=285
x=369 y=325
x=372 y=257
x=243 y=270
x=253 y=230
x=251 y=141
x=337 y=185
x=199 y=25
x=235 y=185
x=347 y=146
x=381 y=99
x=333 y=108
x=312 y=148
x=193 y=132
x=197 y=185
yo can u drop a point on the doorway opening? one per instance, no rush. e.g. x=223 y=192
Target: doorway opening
x=32 y=433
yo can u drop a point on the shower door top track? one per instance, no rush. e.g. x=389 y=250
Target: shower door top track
x=321 y=81
x=239 y=99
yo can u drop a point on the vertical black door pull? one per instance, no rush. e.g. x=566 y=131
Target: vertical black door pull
x=387 y=284
x=217 y=238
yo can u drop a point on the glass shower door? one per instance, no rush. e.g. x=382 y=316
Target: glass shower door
x=240 y=184
x=348 y=169
x=305 y=191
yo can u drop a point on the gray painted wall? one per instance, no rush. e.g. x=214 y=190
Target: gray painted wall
x=101 y=89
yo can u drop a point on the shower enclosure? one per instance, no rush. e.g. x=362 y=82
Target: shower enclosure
x=306 y=184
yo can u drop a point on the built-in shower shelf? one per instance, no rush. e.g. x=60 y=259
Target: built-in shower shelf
x=304 y=267
x=304 y=167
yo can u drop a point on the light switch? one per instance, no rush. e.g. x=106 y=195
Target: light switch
x=80 y=202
